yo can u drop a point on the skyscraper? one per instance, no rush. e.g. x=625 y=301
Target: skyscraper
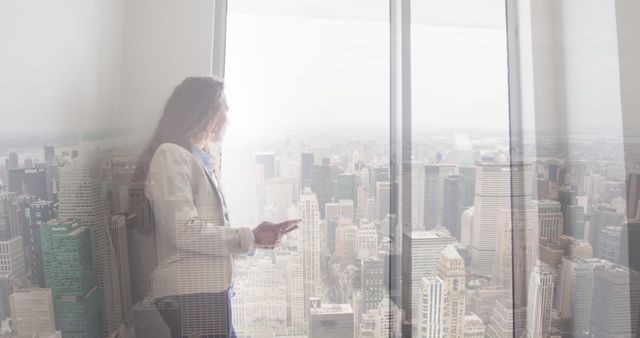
x=306 y=164
x=616 y=295
x=330 y=320
x=594 y=186
x=12 y=161
x=566 y=198
x=574 y=221
x=310 y=246
x=608 y=246
x=340 y=209
x=417 y=193
x=261 y=308
x=49 y=154
x=322 y=177
x=431 y=196
x=267 y=160
x=602 y=217
x=331 y=225
x=9 y=215
x=371 y=282
x=141 y=245
x=466 y=226
x=366 y=240
x=122 y=168
x=35 y=182
x=52 y=182
x=540 y=301
x=552 y=171
x=578 y=170
x=451 y=205
x=362 y=202
x=434 y=175
x=39 y=213
x=497 y=186
x=118 y=233
x=383 y=191
x=576 y=292
x=345 y=187
x=28 y=163
x=32 y=312
x=16 y=180
x=549 y=219
x=473 y=327
x=81 y=198
x=420 y=255
x=451 y=272
x=467 y=185
x=346 y=234
x=12 y=258
x=431 y=308
x=296 y=289
x=5 y=290
x=380 y=174
x=68 y=270
x=542 y=189
x=501 y=324
x=629 y=250
x=388 y=320
x=516 y=250
x=366 y=325
x=579 y=248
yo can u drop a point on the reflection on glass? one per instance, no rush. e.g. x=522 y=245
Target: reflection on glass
x=308 y=90
x=457 y=271
x=524 y=196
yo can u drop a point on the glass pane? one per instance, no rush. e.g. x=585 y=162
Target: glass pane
x=577 y=73
x=308 y=86
x=457 y=266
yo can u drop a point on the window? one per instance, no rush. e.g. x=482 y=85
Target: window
x=308 y=88
x=461 y=168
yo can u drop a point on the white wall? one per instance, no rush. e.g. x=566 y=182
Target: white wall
x=88 y=64
x=60 y=63
x=165 y=41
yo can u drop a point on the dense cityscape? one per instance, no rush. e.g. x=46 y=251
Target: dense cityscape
x=493 y=247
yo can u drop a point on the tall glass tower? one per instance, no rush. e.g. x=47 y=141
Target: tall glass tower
x=68 y=271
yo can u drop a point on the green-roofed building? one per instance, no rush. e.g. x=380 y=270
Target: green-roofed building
x=69 y=272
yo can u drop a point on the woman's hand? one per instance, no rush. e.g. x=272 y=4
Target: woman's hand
x=267 y=235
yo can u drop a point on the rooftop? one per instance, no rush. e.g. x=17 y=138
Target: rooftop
x=451 y=252
x=332 y=309
x=438 y=232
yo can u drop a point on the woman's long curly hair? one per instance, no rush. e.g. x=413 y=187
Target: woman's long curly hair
x=187 y=120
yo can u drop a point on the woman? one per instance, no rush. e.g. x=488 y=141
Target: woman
x=195 y=245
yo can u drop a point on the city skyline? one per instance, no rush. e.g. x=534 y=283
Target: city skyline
x=319 y=168
x=350 y=230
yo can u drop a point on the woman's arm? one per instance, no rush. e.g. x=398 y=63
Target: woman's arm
x=169 y=187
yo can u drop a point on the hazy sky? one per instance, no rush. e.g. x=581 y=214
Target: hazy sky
x=304 y=65
x=300 y=73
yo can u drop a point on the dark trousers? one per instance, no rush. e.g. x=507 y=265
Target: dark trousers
x=205 y=315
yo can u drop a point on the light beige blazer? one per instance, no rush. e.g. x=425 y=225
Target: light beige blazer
x=195 y=245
